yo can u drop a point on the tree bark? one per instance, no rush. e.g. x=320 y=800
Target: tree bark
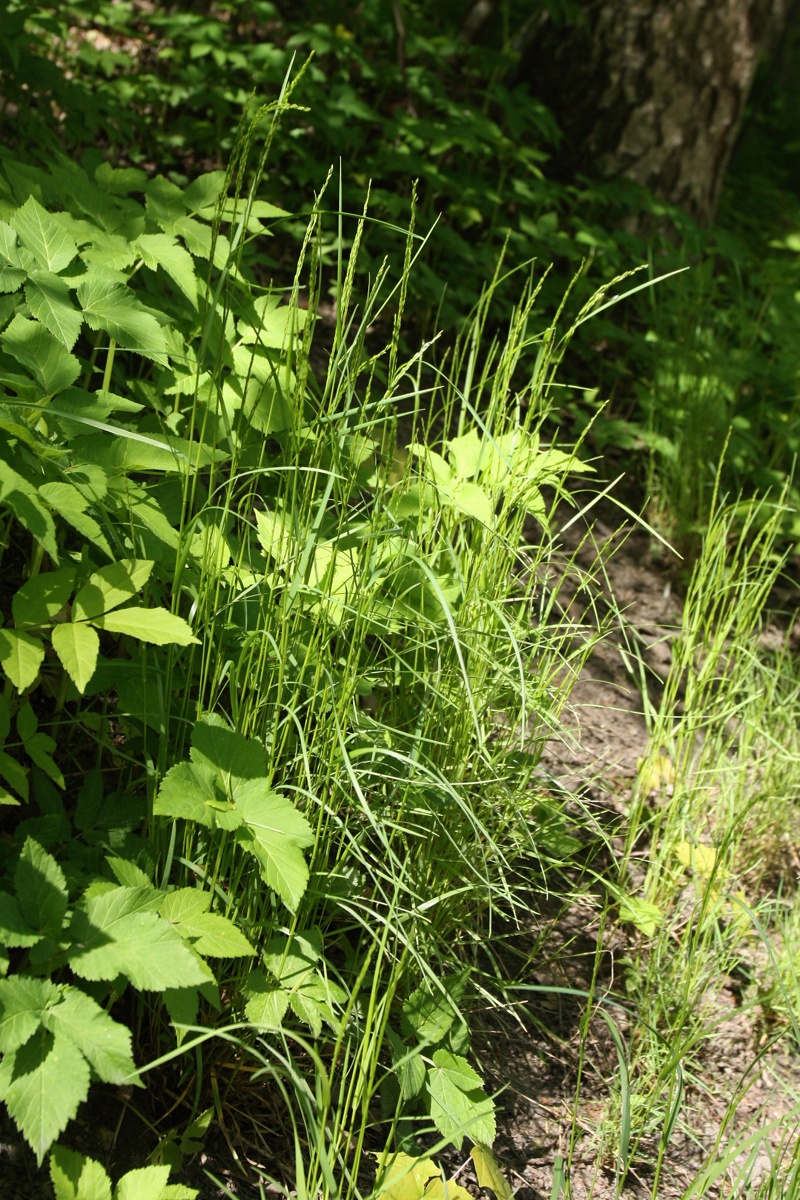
x=653 y=90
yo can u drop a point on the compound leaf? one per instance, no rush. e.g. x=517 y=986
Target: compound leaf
x=112 y=935
x=102 y=1040
x=458 y=1104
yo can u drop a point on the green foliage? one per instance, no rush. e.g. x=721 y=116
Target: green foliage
x=172 y=454
x=76 y=1177
x=55 y=1037
x=281 y=594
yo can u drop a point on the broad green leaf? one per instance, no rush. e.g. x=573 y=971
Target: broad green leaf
x=47 y=359
x=20 y=657
x=128 y=874
x=42 y=1083
x=14 y=929
x=271 y=813
x=42 y=598
x=216 y=937
x=144 y=1183
x=49 y=300
x=408 y=1066
x=27 y=722
x=127 y=451
x=196 y=236
x=431 y=1013
x=193 y=791
x=212 y=935
x=97 y=406
x=112 y=936
x=274 y=833
x=23 y=1001
x=184 y=904
x=236 y=758
x=283 y=867
x=109 y=250
x=470 y=499
x=435 y=467
x=468 y=453
x=75 y=1177
x=9 y=252
x=292 y=960
x=22 y=498
x=183 y=1007
x=153 y=625
x=268 y=1002
x=110 y=306
x=77 y=646
x=39 y=749
x=162 y=250
x=70 y=504
x=147 y=514
x=12 y=274
x=111 y=586
x=489 y=1174
x=272 y=323
x=275 y=535
x=234 y=210
x=11 y=278
x=701 y=859
x=119 y=181
x=458 y=1104
x=204 y=191
x=41 y=889
x=15 y=776
x=102 y=1040
x=645 y=916
x=164 y=200
x=41 y=234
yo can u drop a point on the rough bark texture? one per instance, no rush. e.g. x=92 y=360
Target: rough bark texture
x=653 y=90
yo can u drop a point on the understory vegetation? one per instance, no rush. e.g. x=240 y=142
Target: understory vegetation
x=286 y=474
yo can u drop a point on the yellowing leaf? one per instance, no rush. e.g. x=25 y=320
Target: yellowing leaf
x=655 y=774
x=406 y=1177
x=446 y=1189
x=700 y=859
x=489 y=1174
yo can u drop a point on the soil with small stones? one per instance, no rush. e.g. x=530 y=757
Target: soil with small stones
x=536 y=1054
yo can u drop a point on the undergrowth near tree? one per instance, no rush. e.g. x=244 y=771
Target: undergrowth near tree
x=302 y=689
x=281 y=637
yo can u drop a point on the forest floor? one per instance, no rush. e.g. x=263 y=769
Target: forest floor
x=531 y=1055
x=538 y=1056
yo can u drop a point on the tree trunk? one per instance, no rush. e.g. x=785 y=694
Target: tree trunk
x=653 y=90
